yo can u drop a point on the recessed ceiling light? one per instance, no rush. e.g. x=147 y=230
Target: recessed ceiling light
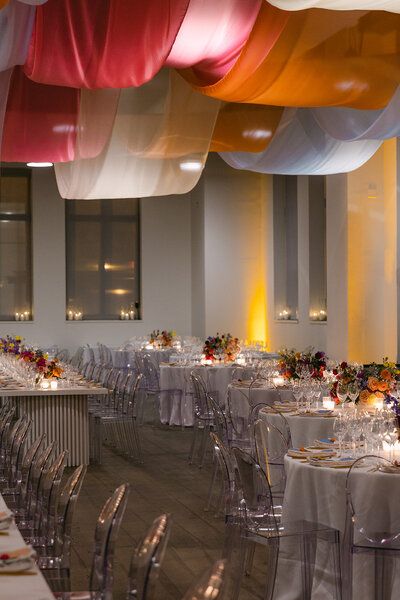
x=191 y=165
x=39 y=164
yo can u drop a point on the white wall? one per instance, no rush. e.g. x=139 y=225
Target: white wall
x=166 y=272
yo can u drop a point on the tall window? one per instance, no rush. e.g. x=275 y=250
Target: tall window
x=103 y=258
x=317 y=248
x=285 y=248
x=15 y=245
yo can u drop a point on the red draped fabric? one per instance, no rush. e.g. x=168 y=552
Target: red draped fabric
x=40 y=122
x=212 y=35
x=102 y=43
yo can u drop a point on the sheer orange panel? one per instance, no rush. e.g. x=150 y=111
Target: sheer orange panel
x=3 y=3
x=245 y=128
x=314 y=58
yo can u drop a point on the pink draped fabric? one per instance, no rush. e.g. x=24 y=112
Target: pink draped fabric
x=212 y=35
x=102 y=43
x=40 y=122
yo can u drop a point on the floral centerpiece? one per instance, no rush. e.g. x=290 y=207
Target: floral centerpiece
x=377 y=381
x=291 y=363
x=221 y=347
x=45 y=368
x=373 y=382
x=162 y=339
x=344 y=374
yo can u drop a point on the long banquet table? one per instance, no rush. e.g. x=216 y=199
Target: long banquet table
x=27 y=585
x=62 y=414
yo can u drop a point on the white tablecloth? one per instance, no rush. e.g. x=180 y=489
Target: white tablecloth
x=177 y=409
x=319 y=494
x=26 y=586
x=242 y=397
x=304 y=430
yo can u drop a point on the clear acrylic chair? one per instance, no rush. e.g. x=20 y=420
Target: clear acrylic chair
x=372 y=528
x=255 y=523
x=120 y=427
x=55 y=562
x=27 y=498
x=147 y=560
x=271 y=448
x=22 y=471
x=211 y=584
x=226 y=469
x=102 y=572
x=14 y=455
x=203 y=419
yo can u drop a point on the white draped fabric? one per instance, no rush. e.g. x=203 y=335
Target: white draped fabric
x=16 y=23
x=158 y=137
x=389 y=5
x=349 y=124
x=301 y=147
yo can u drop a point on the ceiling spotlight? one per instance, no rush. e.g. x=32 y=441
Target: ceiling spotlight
x=191 y=165
x=39 y=164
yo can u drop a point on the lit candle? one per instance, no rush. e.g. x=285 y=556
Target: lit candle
x=17 y=316
x=328 y=403
x=53 y=385
x=45 y=384
x=241 y=360
x=278 y=380
x=378 y=404
x=131 y=315
x=26 y=315
x=70 y=315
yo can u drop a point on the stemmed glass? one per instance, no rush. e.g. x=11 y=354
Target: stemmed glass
x=339 y=429
x=342 y=392
x=353 y=392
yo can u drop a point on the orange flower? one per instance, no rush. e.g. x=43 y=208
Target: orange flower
x=385 y=374
x=383 y=386
x=373 y=383
x=364 y=396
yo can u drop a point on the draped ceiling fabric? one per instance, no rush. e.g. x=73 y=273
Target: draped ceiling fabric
x=40 y=121
x=313 y=58
x=389 y=5
x=212 y=35
x=147 y=123
x=245 y=127
x=16 y=23
x=301 y=147
x=349 y=124
x=102 y=43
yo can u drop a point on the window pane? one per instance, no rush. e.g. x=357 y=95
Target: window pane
x=285 y=247
x=15 y=244
x=317 y=248
x=103 y=268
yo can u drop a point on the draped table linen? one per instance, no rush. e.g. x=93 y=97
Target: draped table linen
x=318 y=494
x=304 y=430
x=177 y=409
x=242 y=397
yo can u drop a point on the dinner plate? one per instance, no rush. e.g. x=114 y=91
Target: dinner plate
x=334 y=463
x=16 y=561
x=6 y=518
x=310 y=452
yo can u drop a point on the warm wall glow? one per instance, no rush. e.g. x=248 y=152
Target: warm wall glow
x=257 y=318
x=372 y=308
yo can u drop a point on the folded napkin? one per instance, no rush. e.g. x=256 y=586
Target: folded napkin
x=334 y=463
x=6 y=518
x=13 y=561
x=317 y=413
x=310 y=452
x=394 y=468
x=326 y=443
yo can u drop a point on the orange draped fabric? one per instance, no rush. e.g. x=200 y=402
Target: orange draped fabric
x=3 y=3
x=314 y=58
x=245 y=128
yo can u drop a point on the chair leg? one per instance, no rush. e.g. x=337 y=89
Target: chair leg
x=193 y=444
x=212 y=484
x=308 y=551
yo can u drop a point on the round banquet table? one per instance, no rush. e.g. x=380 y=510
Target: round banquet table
x=176 y=398
x=242 y=397
x=304 y=430
x=318 y=494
